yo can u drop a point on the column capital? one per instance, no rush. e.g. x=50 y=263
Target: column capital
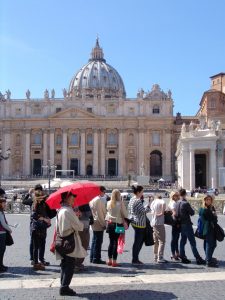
x=27 y=130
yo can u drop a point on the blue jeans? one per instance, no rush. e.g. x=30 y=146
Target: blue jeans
x=2 y=247
x=209 y=245
x=96 y=246
x=174 y=240
x=188 y=233
x=139 y=236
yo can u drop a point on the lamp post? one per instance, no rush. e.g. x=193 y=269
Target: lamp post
x=49 y=169
x=4 y=156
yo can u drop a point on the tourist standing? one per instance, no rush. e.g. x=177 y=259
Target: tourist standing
x=66 y=223
x=98 y=208
x=137 y=215
x=4 y=227
x=158 y=207
x=174 y=197
x=209 y=220
x=116 y=215
x=183 y=212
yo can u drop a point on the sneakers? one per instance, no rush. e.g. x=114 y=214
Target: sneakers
x=212 y=264
x=38 y=267
x=67 y=292
x=3 y=269
x=200 y=261
x=115 y=264
x=137 y=263
x=109 y=262
x=184 y=260
x=98 y=262
x=45 y=263
x=162 y=260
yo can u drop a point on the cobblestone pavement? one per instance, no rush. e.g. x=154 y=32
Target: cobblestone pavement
x=128 y=285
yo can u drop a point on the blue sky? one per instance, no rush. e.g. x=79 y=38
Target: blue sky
x=178 y=44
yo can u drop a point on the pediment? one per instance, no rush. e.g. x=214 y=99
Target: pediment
x=71 y=113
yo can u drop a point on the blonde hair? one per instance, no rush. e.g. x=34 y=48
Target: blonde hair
x=207 y=196
x=116 y=196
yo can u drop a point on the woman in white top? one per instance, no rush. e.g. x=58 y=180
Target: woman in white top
x=116 y=213
x=174 y=197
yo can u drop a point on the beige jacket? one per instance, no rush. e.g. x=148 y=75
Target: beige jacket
x=117 y=213
x=68 y=222
x=98 y=208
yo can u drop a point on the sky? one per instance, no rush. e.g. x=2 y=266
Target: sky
x=178 y=44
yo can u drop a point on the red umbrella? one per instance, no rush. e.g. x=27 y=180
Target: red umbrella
x=85 y=192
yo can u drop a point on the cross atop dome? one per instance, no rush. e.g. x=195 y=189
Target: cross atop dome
x=97 y=52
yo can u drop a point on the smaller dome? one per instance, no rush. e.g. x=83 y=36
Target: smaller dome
x=97 y=78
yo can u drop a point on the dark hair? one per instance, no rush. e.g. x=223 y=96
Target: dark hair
x=65 y=196
x=182 y=192
x=2 y=192
x=38 y=187
x=102 y=188
x=137 y=189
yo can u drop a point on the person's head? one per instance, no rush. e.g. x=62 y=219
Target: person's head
x=102 y=190
x=68 y=198
x=38 y=187
x=138 y=190
x=174 y=195
x=2 y=203
x=183 y=193
x=208 y=200
x=115 y=197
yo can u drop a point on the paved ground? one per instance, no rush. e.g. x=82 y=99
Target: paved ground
x=152 y=281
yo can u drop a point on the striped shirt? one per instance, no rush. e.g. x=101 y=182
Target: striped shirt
x=137 y=212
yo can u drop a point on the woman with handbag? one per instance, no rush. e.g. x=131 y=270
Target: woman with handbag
x=209 y=219
x=67 y=224
x=115 y=218
x=4 y=228
x=137 y=216
x=174 y=197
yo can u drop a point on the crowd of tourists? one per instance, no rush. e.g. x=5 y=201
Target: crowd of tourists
x=72 y=229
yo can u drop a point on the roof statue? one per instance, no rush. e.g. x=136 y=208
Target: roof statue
x=28 y=94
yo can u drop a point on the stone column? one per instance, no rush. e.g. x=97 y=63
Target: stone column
x=45 y=150
x=5 y=164
x=213 y=168
x=64 y=150
x=103 y=152
x=141 y=147
x=95 y=153
x=192 y=169
x=185 y=169
x=52 y=146
x=26 y=157
x=82 y=152
x=121 y=162
x=167 y=162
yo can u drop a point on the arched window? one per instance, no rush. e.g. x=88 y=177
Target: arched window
x=112 y=138
x=74 y=139
x=156 y=163
x=156 y=109
x=37 y=139
x=58 y=139
x=89 y=139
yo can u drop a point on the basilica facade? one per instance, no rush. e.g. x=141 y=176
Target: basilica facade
x=94 y=129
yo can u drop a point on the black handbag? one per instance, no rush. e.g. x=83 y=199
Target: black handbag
x=148 y=238
x=219 y=233
x=8 y=240
x=64 y=245
x=168 y=218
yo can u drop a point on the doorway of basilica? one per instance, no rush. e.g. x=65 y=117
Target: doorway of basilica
x=156 y=163
x=200 y=171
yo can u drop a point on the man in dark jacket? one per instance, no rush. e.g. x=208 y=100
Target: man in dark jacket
x=184 y=211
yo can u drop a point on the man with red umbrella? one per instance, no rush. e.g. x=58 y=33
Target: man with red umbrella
x=98 y=207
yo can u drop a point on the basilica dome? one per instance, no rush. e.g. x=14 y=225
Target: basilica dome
x=97 y=78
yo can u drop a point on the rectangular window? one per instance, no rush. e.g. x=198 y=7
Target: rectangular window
x=89 y=109
x=58 y=109
x=111 y=152
x=89 y=152
x=58 y=151
x=155 y=139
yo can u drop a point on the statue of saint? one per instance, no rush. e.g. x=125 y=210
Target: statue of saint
x=64 y=93
x=218 y=125
x=183 y=128
x=8 y=94
x=142 y=169
x=169 y=94
x=191 y=126
x=28 y=94
x=46 y=94
x=2 y=98
x=53 y=94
